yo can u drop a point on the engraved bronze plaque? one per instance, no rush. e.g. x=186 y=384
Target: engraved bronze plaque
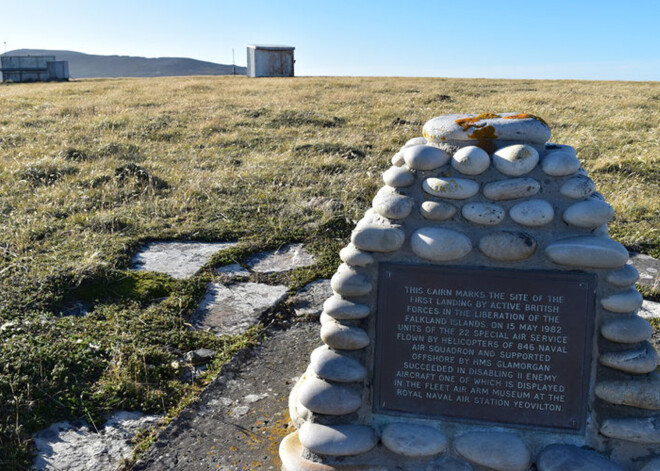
x=488 y=345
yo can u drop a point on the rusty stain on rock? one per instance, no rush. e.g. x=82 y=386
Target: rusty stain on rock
x=487 y=145
x=481 y=133
x=526 y=116
x=467 y=123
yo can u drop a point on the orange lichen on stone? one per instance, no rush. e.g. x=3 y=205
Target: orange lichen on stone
x=481 y=133
x=467 y=123
x=488 y=146
x=526 y=116
x=267 y=435
x=275 y=433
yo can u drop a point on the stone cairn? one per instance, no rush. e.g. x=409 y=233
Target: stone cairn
x=479 y=191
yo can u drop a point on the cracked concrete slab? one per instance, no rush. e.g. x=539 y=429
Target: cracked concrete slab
x=309 y=300
x=286 y=258
x=231 y=310
x=650 y=310
x=232 y=271
x=76 y=446
x=648 y=268
x=179 y=259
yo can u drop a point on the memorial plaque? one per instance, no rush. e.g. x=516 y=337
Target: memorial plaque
x=491 y=345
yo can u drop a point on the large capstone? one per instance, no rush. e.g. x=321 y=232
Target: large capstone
x=487 y=126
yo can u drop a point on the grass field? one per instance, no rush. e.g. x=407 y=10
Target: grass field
x=91 y=169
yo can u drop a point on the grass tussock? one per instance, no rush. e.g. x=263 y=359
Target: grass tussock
x=89 y=169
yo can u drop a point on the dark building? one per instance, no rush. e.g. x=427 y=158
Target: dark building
x=33 y=69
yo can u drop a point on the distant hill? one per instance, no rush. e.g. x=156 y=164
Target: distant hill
x=92 y=66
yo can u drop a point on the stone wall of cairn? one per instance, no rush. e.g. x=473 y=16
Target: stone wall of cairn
x=479 y=191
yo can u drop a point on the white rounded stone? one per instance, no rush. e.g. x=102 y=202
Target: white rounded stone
x=397 y=159
x=511 y=189
x=553 y=147
x=578 y=187
x=601 y=231
x=642 y=393
x=337 y=440
x=343 y=337
x=424 y=157
x=587 y=252
x=515 y=160
x=298 y=413
x=590 y=214
x=343 y=309
x=626 y=301
x=391 y=205
x=501 y=451
x=348 y=282
x=532 y=213
x=355 y=257
x=327 y=398
x=638 y=361
x=451 y=188
x=325 y=318
x=507 y=246
x=624 y=276
x=413 y=440
x=627 y=330
x=471 y=160
x=398 y=177
x=487 y=214
x=415 y=141
x=335 y=366
x=573 y=458
x=439 y=245
x=371 y=217
x=448 y=463
x=377 y=238
x=560 y=163
x=638 y=430
x=437 y=210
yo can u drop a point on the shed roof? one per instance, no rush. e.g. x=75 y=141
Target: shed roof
x=272 y=47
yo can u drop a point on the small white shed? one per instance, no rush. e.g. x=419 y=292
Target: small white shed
x=269 y=61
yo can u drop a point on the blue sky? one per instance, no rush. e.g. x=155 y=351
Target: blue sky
x=595 y=40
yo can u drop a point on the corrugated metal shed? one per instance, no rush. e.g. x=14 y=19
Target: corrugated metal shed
x=269 y=61
x=33 y=69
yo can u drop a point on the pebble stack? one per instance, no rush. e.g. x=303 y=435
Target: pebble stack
x=481 y=191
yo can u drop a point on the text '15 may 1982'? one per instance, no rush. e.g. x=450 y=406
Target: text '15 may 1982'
x=483 y=345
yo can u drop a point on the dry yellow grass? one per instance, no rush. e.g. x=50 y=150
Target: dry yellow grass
x=212 y=138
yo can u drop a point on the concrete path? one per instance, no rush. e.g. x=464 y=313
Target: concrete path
x=239 y=420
